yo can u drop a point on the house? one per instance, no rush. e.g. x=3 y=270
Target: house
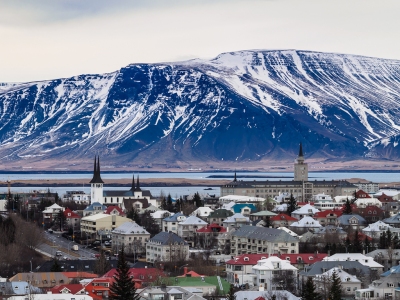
x=370 y=213
x=393 y=220
x=92 y=225
x=171 y=293
x=265 y=295
x=47 y=280
x=364 y=202
x=235 y=221
x=50 y=296
x=131 y=236
x=381 y=288
x=202 y=212
x=160 y=215
x=328 y=217
x=166 y=246
x=141 y=276
x=187 y=228
x=79 y=197
x=244 y=208
x=239 y=199
x=94 y=208
x=306 y=223
x=262 y=215
x=17 y=288
x=253 y=239
x=387 y=257
x=239 y=269
x=51 y=213
x=171 y=223
x=350 y=283
x=394 y=193
x=282 y=220
x=218 y=216
x=73 y=288
x=364 y=260
x=375 y=230
x=266 y=270
x=354 y=221
x=360 y=194
x=72 y=219
x=208 y=235
x=99 y=288
x=306 y=210
x=389 y=205
x=114 y=210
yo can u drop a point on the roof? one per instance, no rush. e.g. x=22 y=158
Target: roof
x=95 y=204
x=174 y=217
x=202 y=212
x=242 y=295
x=268 y=264
x=79 y=274
x=73 y=288
x=282 y=217
x=264 y=213
x=377 y=227
x=167 y=238
x=112 y=207
x=130 y=227
x=252 y=259
x=364 y=260
x=325 y=213
x=212 y=228
x=320 y=267
x=192 y=220
x=343 y=275
x=96 y=171
x=306 y=222
x=344 y=219
x=262 y=233
x=161 y=214
x=145 y=274
x=306 y=209
x=237 y=208
x=96 y=217
x=236 y=218
x=393 y=219
x=69 y=214
x=220 y=213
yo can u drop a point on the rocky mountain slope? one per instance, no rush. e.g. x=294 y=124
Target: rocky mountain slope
x=239 y=106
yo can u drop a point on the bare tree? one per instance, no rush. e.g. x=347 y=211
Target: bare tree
x=275 y=295
x=285 y=280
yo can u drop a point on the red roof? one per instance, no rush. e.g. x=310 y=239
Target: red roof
x=69 y=214
x=362 y=194
x=325 y=213
x=96 y=291
x=252 y=259
x=112 y=207
x=145 y=274
x=385 y=198
x=79 y=275
x=281 y=217
x=260 y=298
x=73 y=288
x=212 y=228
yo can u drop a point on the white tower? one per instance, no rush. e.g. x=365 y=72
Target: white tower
x=96 y=184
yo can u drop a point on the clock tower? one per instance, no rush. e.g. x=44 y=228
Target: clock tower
x=300 y=167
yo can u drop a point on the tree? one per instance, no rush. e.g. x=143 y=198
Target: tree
x=56 y=266
x=102 y=265
x=267 y=222
x=231 y=294
x=292 y=205
x=178 y=205
x=308 y=291
x=382 y=241
x=347 y=209
x=335 y=292
x=134 y=216
x=164 y=203
x=285 y=280
x=148 y=223
x=357 y=247
x=123 y=287
x=197 y=200
x=170 y=206
x=354 y=199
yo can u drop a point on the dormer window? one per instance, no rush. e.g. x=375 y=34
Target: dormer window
x=246 y=259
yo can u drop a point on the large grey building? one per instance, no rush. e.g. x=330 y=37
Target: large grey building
x=301 y=187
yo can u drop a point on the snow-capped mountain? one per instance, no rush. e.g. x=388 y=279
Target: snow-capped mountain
x=239 y=106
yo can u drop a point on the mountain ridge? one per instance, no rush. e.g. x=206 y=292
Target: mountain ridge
x=237 y=107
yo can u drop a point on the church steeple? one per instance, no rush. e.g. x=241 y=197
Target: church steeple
x=300 y=166
x=137 y=185
x=133 y=183
x=96 y=171
x=301 y=150
x=234 y=178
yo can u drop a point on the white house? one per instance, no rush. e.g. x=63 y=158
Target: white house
x=350 y=283
x=170 y=224
x=187 y=228
x=166 y=246
x=362 y=259
x=306 y=223
x=267 y=269
x=202 y=212
x=375 y=230
x=364 y=202
x=235 y=221
x=130 y=235
x=306 y=210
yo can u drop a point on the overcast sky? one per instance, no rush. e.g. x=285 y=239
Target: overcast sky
x=46 y=39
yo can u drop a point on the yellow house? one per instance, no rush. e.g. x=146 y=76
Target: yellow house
x=92 y=224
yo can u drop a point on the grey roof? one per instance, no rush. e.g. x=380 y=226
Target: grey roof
x=263 y=233
x=173 y=218
x=166 y=238
x=393 y=219
x=383 y=253
x=130 y=227
x=129 y=193
x=318 y=267
x=74 y=265
x=392 y=278
x=18 y=288
x=241 y=295
x=95 y=204
x=344 y=220
x=220 y=213
x=259 y=183
x=147 y=292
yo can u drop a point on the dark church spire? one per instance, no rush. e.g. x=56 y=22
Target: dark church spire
x=133 y=183
x=137 y=184
x=96 y=171
x=301 y=150
x=234 y=178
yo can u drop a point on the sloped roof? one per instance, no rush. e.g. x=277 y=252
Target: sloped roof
x=320 y=267
x=306 y=222
x=130 y=228
x=69 y=214
x=393 y=219
x=264 y=213
x=212 y=228
x=325 y=213
x=364 y=260
x=252 y=259
x=281 y=217
x=233 y=218
x=377 y=227
x=266 y=234
x=166 y=238
x=112 y=207
x=174 y=217
x=193 y=220
x=95 y=204
x=344 y=219
x=220 y=213
x=73 y=288
x=237 y=208
x=306 y=210
x=343 y=275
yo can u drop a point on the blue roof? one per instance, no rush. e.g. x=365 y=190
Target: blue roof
x=166 y=238
x=173 y=218
x=237 y=208
x=395 y=269
x=95 y=204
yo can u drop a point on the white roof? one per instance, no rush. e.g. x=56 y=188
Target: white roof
x=130 y=228
x=228 y=206
x=368 y=201
x=362 y=259
x=344 y=276
x=390 y=193
x=270 y=264
x=306 y=210
x=377 y=226
x=233 y=218
x=161 y=214
x=306 y=222
x=96 y=217
x=54 y=206
x=282 y=207
x=202 y=212
x=241 y=198
x=193 y=220
x=288 y=231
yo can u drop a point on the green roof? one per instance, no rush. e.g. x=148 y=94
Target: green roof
x=264 y=213
x=196 y=281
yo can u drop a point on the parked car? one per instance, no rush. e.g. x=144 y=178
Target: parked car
x=107 y=243
x=75 y=247
x=59 y=253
